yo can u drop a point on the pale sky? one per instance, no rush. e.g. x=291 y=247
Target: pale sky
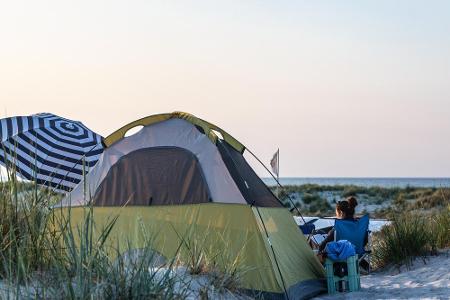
x=343 y=88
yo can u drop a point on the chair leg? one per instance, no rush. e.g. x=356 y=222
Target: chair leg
x=352 y=278
x=353 y=273
x=366 y=259
x=331 y=284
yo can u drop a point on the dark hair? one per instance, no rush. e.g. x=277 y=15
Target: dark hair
x=347 y=207
x=352 y=201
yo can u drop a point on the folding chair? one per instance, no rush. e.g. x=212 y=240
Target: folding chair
x=356 y=232
x=308 y=229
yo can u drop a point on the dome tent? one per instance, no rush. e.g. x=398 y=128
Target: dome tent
x=181 y=175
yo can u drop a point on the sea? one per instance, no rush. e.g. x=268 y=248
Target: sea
x=386 y=182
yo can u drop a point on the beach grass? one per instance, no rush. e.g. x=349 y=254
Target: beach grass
x=203 y=254
x=411 y=235
x=400 y=242
x=24 y=212
x=87 y=265
x=440 y=229
x=42 y=255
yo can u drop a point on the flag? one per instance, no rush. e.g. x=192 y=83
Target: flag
x=275 y=162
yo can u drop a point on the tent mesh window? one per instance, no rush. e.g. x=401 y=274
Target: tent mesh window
x=154 y=176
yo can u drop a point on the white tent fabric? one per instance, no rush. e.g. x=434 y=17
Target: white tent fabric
x=175 y=133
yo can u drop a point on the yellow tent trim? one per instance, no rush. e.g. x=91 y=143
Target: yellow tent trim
x=207 y=127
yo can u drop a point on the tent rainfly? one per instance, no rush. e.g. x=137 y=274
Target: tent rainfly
x=179 y=176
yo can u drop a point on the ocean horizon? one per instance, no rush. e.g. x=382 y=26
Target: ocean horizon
x=386 y=182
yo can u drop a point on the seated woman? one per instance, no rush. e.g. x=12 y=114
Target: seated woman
x=344 y=210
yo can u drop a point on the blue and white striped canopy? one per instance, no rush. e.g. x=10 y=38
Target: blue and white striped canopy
x=48 y=149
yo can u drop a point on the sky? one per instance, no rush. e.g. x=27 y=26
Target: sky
x=342 y=88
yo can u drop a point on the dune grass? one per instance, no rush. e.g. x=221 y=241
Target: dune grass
x=24 y=210
x=43 y=255
x=202 y=252
x=406 y=238
x=83 y=267
x=411 y=235
x=439 y=228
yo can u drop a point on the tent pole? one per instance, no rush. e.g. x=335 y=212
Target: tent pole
x=278 y=172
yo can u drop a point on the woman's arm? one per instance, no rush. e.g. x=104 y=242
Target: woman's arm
x=329 y=238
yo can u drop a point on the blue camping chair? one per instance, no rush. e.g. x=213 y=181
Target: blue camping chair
x=356 y=232
x=308 y=229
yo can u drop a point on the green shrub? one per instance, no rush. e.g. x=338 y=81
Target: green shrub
x=352 y=191
x=320 y=207
x=282 y=194
x=440 y=229
x=310 y=198
x=439 y=198
x=287 y=204
x=400 y=202
x=405 y=238
x=411 y=235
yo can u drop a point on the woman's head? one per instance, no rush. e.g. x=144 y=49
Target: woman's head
x=346 y=209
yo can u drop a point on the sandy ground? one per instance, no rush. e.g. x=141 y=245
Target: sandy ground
x=189 y=287
x=424 y=280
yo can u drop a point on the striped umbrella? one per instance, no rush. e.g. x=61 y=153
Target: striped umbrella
x=48 y=149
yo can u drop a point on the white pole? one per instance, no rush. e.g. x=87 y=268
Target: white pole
x=278 y=169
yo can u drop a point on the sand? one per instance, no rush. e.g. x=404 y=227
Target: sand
x=424 y=280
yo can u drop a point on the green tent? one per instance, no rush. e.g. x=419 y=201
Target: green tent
x=183 y=178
